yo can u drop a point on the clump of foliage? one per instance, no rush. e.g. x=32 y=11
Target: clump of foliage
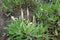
x=25 y=30
x=50 y=15
x=47 y=15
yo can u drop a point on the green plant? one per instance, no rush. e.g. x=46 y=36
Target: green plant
x=48 y=14
x=25 y=30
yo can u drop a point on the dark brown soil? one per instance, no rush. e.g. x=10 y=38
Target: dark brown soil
x=2 y=24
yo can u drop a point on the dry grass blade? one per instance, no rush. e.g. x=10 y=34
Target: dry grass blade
x=22 y=14
x=27 y=13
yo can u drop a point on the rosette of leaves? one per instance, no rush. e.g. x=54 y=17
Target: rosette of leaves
x=25 y=30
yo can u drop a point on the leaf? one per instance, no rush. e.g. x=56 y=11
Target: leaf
x=56 y=32
x=58 y=23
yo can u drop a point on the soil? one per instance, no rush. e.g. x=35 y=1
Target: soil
x=2 y=24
